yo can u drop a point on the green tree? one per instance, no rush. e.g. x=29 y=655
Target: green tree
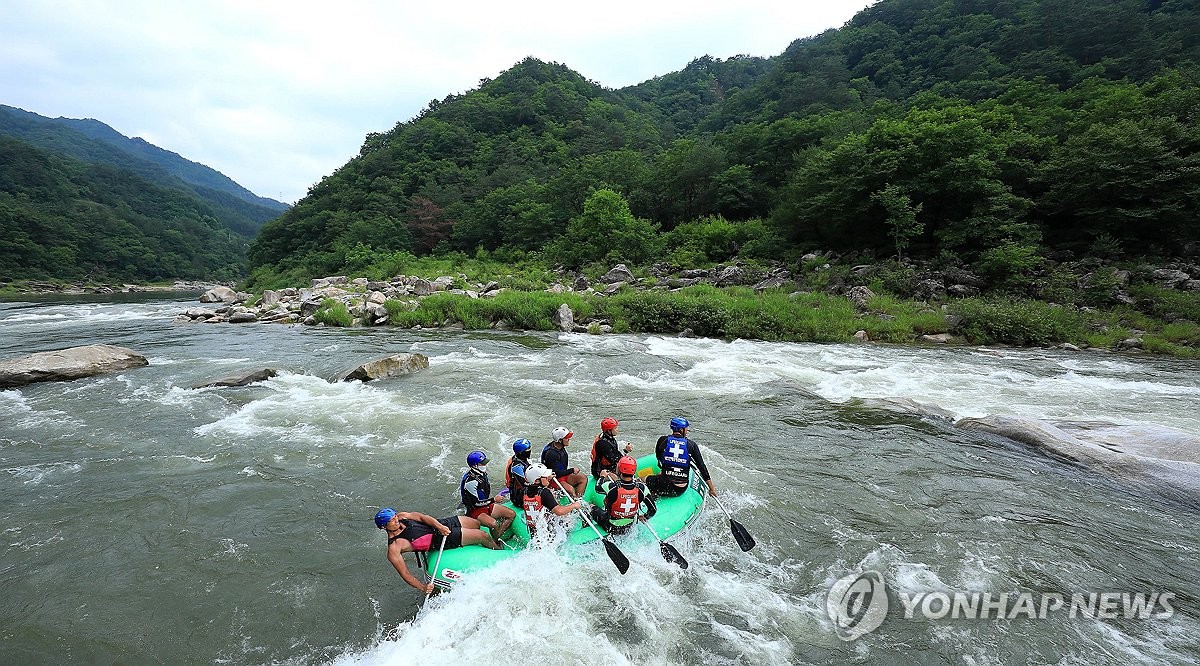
x=605 y=232
x=901 y=216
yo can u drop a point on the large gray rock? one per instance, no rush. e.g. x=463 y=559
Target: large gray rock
x=1170 y=278
x=1162 y=459
x=618 y=273
x=219 y=295
x=564 y=318
x=67 y=364
x=241 y=379
x=396 y=365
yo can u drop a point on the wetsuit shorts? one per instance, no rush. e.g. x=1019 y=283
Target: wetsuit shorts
x=433 y=541
x=479 y=511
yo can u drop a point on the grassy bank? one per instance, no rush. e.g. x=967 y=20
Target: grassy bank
x=738 y=312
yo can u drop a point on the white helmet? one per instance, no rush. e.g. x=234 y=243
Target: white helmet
x=560 y=433
x=535 y=472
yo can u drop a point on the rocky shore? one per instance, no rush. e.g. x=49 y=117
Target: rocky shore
x=78 y=288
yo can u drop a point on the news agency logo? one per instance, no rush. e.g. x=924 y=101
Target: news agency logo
x=857 y=604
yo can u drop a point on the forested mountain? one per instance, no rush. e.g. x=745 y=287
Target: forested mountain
x=64 y=218
x=984 y=131
x=92 y=141
x=78 y=200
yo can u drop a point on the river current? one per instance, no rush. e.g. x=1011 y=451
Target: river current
x=145 y=521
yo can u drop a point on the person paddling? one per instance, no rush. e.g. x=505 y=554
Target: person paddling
x=537 y=498
x=675 y=453
x=475 y=490
x=411 y=531
x=624 y=499
x=606 y=451
x=554 y=456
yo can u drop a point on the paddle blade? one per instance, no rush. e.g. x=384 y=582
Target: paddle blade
x=618 y=558
x=671 y=555
x=745 y=541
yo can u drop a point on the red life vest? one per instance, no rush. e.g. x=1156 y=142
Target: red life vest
x=532 y=506
x=627 y=503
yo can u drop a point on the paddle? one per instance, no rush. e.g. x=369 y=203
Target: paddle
x=740 y=533
x=618 y=558
x=668 y=551
x=437 y=565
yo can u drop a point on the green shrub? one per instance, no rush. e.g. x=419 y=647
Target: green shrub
x=1017 y=322
x=333 y=313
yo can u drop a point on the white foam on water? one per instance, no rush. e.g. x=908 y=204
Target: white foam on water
x=32 y=475
x=309 y=410
x=585 y=612
x=86 y=314
x=966 y=382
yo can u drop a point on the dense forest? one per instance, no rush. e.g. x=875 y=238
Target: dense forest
x=64 y=218
x=78 y=200
x=988 y=132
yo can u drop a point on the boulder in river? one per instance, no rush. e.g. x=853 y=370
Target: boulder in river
x=1161 y=459
x=396 y=365
x=219 y=294
x=241 y=379
x=564 y=318
x=67 y=364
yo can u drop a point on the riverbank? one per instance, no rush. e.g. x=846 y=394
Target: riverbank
x=88 y=287
x=818 y=303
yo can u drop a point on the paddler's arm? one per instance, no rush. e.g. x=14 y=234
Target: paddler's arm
x=396 y=557
x=694 y=452
x=428 y=520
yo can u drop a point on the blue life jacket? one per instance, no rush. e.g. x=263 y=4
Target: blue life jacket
x=483 y=491
x=675 y=460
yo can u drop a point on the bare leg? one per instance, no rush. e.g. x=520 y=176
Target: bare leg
x=578 y=483
x=502 y=518
x=472 y=536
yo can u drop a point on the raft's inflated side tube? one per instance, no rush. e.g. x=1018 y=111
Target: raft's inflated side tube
x=675 y=514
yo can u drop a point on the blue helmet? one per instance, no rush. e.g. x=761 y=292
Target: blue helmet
x=522 y=446
x=679 y=423
x=383 y=517
x=476 y=458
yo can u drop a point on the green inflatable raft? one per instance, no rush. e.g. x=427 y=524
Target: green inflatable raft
x=674 y=516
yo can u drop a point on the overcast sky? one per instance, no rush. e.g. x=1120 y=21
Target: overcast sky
x=278 y=94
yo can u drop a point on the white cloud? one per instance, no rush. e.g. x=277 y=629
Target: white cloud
x=278 y=94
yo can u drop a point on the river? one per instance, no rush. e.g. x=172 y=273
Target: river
x=145 y=521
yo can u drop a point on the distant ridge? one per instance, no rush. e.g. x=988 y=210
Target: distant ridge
x=92 y=141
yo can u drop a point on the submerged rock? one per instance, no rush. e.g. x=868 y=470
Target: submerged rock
x=1155 y=457
x=396 y=365
x=67 y=364
x=244 y=379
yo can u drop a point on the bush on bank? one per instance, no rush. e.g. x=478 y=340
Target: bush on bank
x=1163 y=319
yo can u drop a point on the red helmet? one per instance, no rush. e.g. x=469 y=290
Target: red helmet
x=608 y=423
x=627 y=465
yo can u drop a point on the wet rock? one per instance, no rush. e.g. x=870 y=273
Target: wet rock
x=241 y=379
x=1157 y=458
x=686 y=333
x=862 y=336
x=67 y=364
x=939 y=338
x=396 y=365
x=243 y=317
